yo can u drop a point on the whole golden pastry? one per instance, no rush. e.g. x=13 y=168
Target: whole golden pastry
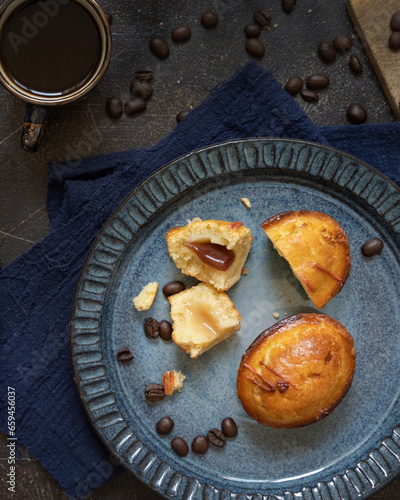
x=297 y=371
x=316 y=248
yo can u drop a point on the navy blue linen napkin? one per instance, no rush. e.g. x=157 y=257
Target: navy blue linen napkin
x=37 y=289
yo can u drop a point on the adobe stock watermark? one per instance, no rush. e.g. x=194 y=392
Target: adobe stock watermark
x=30 y=27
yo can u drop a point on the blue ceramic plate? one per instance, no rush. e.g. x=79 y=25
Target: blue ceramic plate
x=350 y=454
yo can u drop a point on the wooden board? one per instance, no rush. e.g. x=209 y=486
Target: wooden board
x=371 y=19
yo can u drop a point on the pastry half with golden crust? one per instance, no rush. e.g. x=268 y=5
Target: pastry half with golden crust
x=316 y=248
x=297 y=371
x=212 y=251
x=201 y=318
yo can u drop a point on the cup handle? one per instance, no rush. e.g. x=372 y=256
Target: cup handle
x=35 y=119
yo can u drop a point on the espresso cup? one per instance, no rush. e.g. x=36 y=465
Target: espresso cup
x=52 y=52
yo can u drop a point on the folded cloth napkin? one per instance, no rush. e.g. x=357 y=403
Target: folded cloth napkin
x=37 y=289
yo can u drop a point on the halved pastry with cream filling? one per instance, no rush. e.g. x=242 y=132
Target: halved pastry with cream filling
x=201 y=318
x=316 y=248
x=212 y=251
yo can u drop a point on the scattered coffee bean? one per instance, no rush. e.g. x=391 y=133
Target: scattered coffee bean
x=180 y=446
x=317 y=81
x=372 y=247
x=355 y=64
x=394 y=40
x=294 y=85
x=114 y=107
x=209 y=19
x=154 y=392
x=326 y=51
x=164 y=425
x=356 y=113
x=342 y=43
x=252 y=30
x=181 y=115
x=144 y=74
x=109 y=17
x=181 y=33
x=288 y=5
x=173 y=287
x=200 y=444
x=395 y=21
x=254 y=47
x=141 y=88
x=262 y=17
x=309 y=95
x=124 y=355
x=216 y=437
x=134 y=106
x=229 y=427
x=165 y=330
x=159 y=47
x=151 y=328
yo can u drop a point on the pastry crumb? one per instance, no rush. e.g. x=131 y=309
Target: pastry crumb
x=309 y=10
x=246 y=202
x=196 y=219
x=172 y=381
x=275 y=315
x=146 y=297
x=244 y=271
x=275 y=25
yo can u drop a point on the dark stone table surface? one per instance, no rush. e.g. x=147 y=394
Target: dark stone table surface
x=182 y=81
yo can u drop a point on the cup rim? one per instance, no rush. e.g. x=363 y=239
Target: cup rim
x=105 y=56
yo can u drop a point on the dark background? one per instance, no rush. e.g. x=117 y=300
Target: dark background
x=182 y=81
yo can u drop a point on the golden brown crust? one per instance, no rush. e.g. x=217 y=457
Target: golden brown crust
x=317 y=249
x=297 y=371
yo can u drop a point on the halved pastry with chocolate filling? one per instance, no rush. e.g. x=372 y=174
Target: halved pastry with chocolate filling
x=316 y=248
x=297 y=371
x=212 y=251
x=201 y=318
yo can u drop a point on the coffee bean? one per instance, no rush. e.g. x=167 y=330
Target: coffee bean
x=180 y=446
x=395 y=21
x=262 y=17
x=141 y=88
x=173 y=287
x=181 y=33
x=134 y=106
x=254 y=47
x=144 y=74
x=309 y=95
x=317 y=81
x=200 y=444
x=326 y=51
x=159 y=47
x=154 y=392
x=109 y=17
x=164 y=425
x=165 y=330
x=356 y=113
x=294 y=85
x=252 y=30
x=394 y=40
x=355 y=64
x=229 y=427
x=342 y=43
x=209 y=19
x=288 y=5
x=216 y=437
x=151 y=328
x=124 y=355
x=181 y=115
x=372 y=247
x=114 y=107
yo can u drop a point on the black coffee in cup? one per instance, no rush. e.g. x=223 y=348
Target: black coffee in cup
x=50 y=47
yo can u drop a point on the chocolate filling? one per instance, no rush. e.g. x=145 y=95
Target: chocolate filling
x=216 y=256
